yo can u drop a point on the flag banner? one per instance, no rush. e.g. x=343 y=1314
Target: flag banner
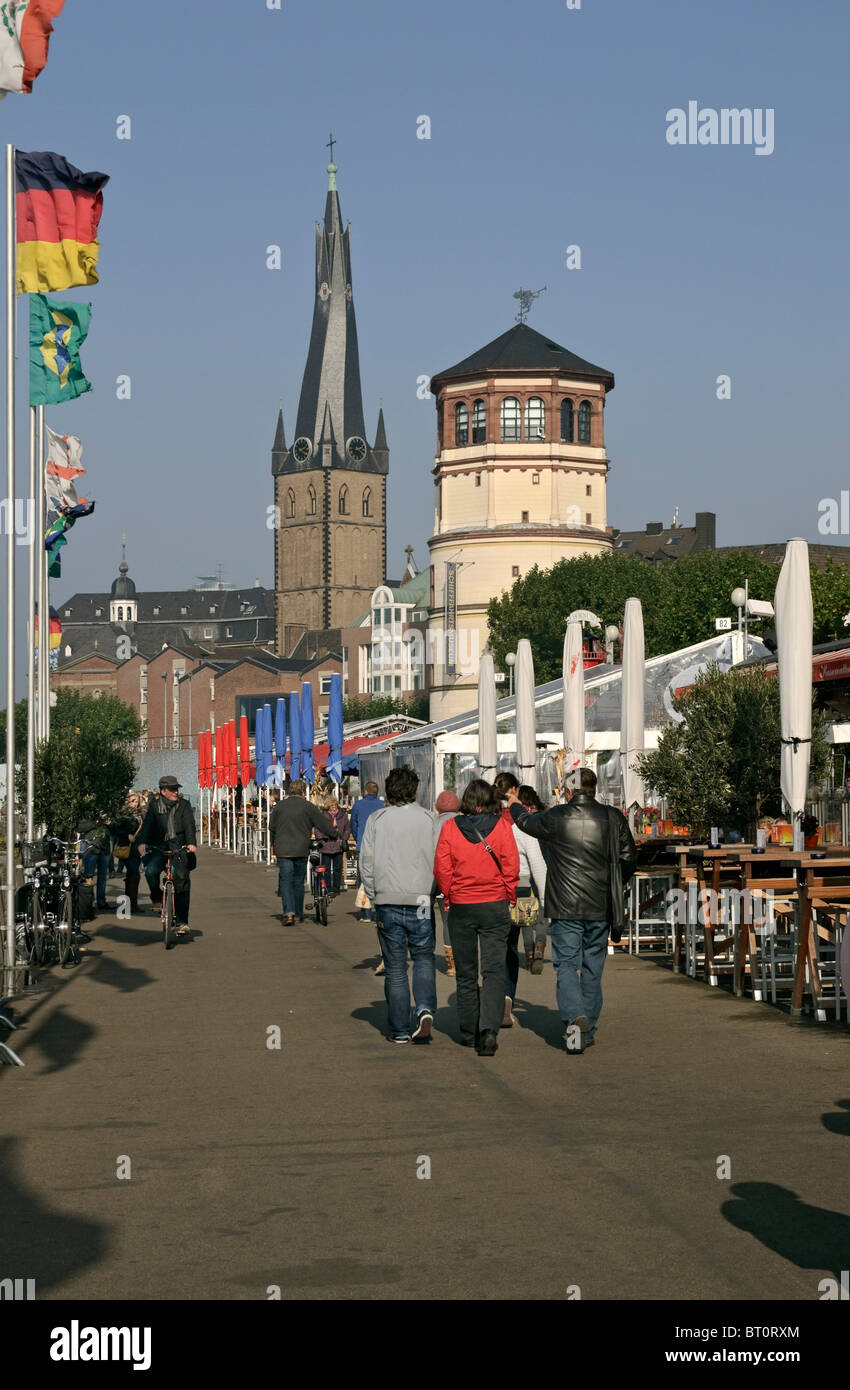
x=58 y=212
x=55 y=637
x=67 y=518
x=57 y=332
x=25 y=29
x=64 y=455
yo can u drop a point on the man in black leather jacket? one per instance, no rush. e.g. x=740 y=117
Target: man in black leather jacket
x=169 y=823
x=590 y=853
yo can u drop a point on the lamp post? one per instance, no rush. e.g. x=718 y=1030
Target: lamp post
x=739 y=598
x=611 y=635
x=510 y=662
x=164 y=710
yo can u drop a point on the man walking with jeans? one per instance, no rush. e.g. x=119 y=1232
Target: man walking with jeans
x=397 y=869
x=291 y=827
x=590 y=855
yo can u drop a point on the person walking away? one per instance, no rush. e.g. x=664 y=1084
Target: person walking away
x=95 y=853
x=332 y=849
x=447 y=806
x=397 y=869
x=126 y=828
x=477 y=867
x=169 y=824
x=527 y=915
x=363 y=808
x=590 y=854
x=291 y=827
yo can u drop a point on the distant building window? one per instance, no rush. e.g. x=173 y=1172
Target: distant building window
x=67 y=651
x=67 y=612
x=208 y=632
x=324 y=685
x=228 y=632
x=510 y=418
x=535 y=478
x=212 y=687
x=290 y=503
x=184 y=611
x=98 y=612
x=515 y=571
x=367 y=502
x=479 y=423
x=143 y=697
x=212 y=608
x=535 y=418
x=587 y=490
x=566 y=422
x=584 y=422
x=311 y=501
x=461 y=424
x=156 y=612
x=120 y=615
x=525 y=516
x=343 y=501
x=397 y=682
x=587 y=518
x=478 y=480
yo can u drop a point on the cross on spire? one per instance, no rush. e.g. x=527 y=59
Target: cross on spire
x=331 y=144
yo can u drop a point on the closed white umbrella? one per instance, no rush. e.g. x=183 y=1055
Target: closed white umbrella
x=794 y=621
x=631 y=712
x=573 y=708
x=526 y=730
x=487 y=718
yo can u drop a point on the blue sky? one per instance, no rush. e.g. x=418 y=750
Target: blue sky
x=547 y=129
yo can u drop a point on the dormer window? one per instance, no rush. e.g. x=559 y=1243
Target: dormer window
x=183 y=612
x=156 y=612
x=213 y=607
x=98 y=612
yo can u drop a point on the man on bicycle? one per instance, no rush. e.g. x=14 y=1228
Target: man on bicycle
x=169 y=824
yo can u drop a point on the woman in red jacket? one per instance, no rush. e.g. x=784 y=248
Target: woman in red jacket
x=477 y=867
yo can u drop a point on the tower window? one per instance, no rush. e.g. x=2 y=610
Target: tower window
x=535 y=478
x=525 y=516
x=479 y=423
x=311 y=501
x=98 y=612
x=515 y=571
x=566 y=422
x=290 y=503
x=478 y=480
x=461 y=424
x=367 y=502
x=584 y=422
x=120 y=614
x=156 y=612
x=588 y=490
x=343 y=501
x=511 y=418
x=587 y=517
x=535 y=418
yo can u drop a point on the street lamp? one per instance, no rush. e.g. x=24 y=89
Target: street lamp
x=510 y=662
x=164 y=711
x=611 y=635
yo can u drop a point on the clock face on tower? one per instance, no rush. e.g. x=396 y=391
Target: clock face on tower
x=357 y=449
x=301 y=450
x=324 y=290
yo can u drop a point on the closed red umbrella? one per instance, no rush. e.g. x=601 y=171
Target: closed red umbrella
x=233 y=759
x=244 y=751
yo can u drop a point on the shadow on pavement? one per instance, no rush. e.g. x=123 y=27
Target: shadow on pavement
x=543 y=1021
x=838 y=1124
x=39 y=1242
x=148 y=935
x=125 y=978
x=809 y=1237
x=60 y=1038
x=376 y=1014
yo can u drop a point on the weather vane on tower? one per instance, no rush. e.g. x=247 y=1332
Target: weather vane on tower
x=526 y=299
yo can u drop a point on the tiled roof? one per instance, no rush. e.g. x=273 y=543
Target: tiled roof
x=523 y=347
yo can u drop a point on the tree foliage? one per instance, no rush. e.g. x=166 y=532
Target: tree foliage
x=105 y=714
x=721 y=765
x=680 y=600
x=80 y=776
x=20 y=730
x=359 y=707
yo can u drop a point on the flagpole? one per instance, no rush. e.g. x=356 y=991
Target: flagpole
x=31 y=640
x=44 y=628
x=39 y=571
x=9 y=957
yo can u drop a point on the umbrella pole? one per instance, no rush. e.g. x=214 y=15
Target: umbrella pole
x=268 y=827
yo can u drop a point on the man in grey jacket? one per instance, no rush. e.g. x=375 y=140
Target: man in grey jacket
x=397 y=869
x=290 y=828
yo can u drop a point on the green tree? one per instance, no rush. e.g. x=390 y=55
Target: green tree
x=379 y=706
x=20 y=730
x=81 y=775
x=721 y=765
x=105 y=714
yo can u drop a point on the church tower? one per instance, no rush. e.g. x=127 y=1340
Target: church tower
x=331 y=486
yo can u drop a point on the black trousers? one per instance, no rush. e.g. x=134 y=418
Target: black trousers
x=479 y=929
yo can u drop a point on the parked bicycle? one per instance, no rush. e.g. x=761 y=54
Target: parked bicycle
x=49 y=902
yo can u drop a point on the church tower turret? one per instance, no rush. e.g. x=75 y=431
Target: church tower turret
x=330 y=485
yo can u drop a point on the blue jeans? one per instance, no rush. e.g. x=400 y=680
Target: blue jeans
x=290 y=885
x=579 y=948
x=400 y=931
x=96 y=866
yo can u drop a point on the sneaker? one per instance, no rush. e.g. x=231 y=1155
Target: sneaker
x=402 y=1040
x=488 y=1045
x=422 y=1031
x=536 y=966
x=507 y=1016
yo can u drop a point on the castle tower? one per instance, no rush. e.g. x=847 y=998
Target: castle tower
x=520 y=480
x=330 y=486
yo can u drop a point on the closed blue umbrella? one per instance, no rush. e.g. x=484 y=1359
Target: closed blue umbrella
x=280 y=731
x=259 y=753
x=308 y=732
x=334 y=763
x=294 y=737
x=268 y=744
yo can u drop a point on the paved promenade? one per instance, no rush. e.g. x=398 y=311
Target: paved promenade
x=296 y=1167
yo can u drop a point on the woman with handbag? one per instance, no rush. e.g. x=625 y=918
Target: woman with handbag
x=476 y=866
x=333 y=850
x=526 y=914
x=126 y=828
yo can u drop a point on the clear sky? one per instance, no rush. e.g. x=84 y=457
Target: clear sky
x=548 y=129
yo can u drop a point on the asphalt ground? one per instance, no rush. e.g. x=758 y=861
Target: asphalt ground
x=156 y=1146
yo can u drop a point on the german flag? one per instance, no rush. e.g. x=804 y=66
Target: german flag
x=58 y=211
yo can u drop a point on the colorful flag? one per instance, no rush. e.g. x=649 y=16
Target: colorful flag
x=55 y=638
x=57 y=332
x=63 y=467
x=58 y=213
x=25 y=29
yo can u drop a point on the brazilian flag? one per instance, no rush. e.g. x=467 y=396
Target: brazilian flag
x=57 y=332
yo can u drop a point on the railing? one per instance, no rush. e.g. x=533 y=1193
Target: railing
x=171 y=744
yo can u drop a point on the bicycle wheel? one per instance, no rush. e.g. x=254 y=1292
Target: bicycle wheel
x=168 y=915
x=35 y=929
x=322 y=909
x=65 y=926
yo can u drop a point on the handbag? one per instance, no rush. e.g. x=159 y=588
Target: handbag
x=122 y=851
x=361 y=902
x=525 y=912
